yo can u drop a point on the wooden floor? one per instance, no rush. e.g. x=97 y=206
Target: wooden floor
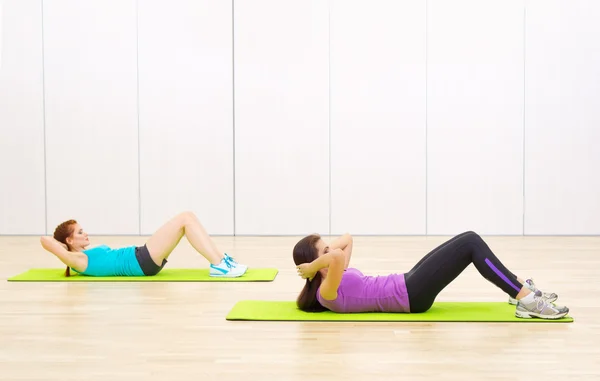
x=152 y=331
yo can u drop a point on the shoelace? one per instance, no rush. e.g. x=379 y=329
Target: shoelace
x=230 y=260
x=534 y=288
x=542 y=303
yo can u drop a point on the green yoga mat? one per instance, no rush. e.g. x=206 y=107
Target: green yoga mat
x=440 y=312
x=166 y=275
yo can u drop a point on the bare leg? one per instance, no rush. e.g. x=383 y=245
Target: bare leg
x=167 y=237
x=523 y=293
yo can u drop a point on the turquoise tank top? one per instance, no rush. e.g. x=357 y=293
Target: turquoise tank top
x=104 y=261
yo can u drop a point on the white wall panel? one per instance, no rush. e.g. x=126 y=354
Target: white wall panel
x=22 y=205
x=562 y=158
x=475 y=116
x=281 y=117
x=186 y=112
x=91 y=114
x=378 y=117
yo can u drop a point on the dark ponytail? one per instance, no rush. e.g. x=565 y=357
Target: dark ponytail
x=306 y=251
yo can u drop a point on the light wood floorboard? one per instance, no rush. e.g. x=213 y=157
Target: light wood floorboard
x=152 y=331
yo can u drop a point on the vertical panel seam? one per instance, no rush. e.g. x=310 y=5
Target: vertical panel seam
x=426 y=118
x=233 y=104
x=137 y=63
x=329 y=103
x=44 y=125
x=524 y=103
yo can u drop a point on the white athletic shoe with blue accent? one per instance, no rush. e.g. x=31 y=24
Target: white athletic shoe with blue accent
x=234 y=262
x=226 y=269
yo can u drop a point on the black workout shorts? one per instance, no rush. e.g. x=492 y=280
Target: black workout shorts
x=149 y=267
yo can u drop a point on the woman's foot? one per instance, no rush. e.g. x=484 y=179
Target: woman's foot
x=227 y=269
x=550 y=297
x=535 y=305
x=234 y=263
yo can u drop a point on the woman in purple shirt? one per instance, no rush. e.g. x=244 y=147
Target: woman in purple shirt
x=331 y=285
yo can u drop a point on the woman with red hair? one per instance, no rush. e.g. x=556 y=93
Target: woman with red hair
x=71 y=245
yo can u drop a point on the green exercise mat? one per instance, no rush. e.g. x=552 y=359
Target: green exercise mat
x=166 y=275
x=439 y=312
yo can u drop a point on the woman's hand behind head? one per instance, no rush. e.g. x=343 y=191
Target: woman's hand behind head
x=305 y=271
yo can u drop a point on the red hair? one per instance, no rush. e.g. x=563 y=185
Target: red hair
x=61 y=233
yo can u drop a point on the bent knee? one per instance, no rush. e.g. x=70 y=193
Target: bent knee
x=186 y=217
x=471 y=234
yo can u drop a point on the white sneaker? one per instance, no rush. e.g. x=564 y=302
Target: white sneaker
x=549 y=297
x=226 y=270
x=234 y=263
x=539 y=307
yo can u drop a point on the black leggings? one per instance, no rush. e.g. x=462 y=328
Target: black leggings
x=441 y=266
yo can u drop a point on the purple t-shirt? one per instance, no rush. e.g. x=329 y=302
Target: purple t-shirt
x=361 y=293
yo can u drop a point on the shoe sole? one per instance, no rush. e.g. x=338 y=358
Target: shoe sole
x=514 y=302
x=225 y=276
x=529 y=315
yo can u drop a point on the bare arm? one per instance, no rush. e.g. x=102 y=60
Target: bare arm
x=345 y=243
x=334 y=263
x=60 y=250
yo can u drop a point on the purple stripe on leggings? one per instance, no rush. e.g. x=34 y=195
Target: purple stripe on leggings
x=499 y=273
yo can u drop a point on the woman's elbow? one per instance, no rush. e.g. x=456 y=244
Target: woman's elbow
x=46 y=242
x=338 y=256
